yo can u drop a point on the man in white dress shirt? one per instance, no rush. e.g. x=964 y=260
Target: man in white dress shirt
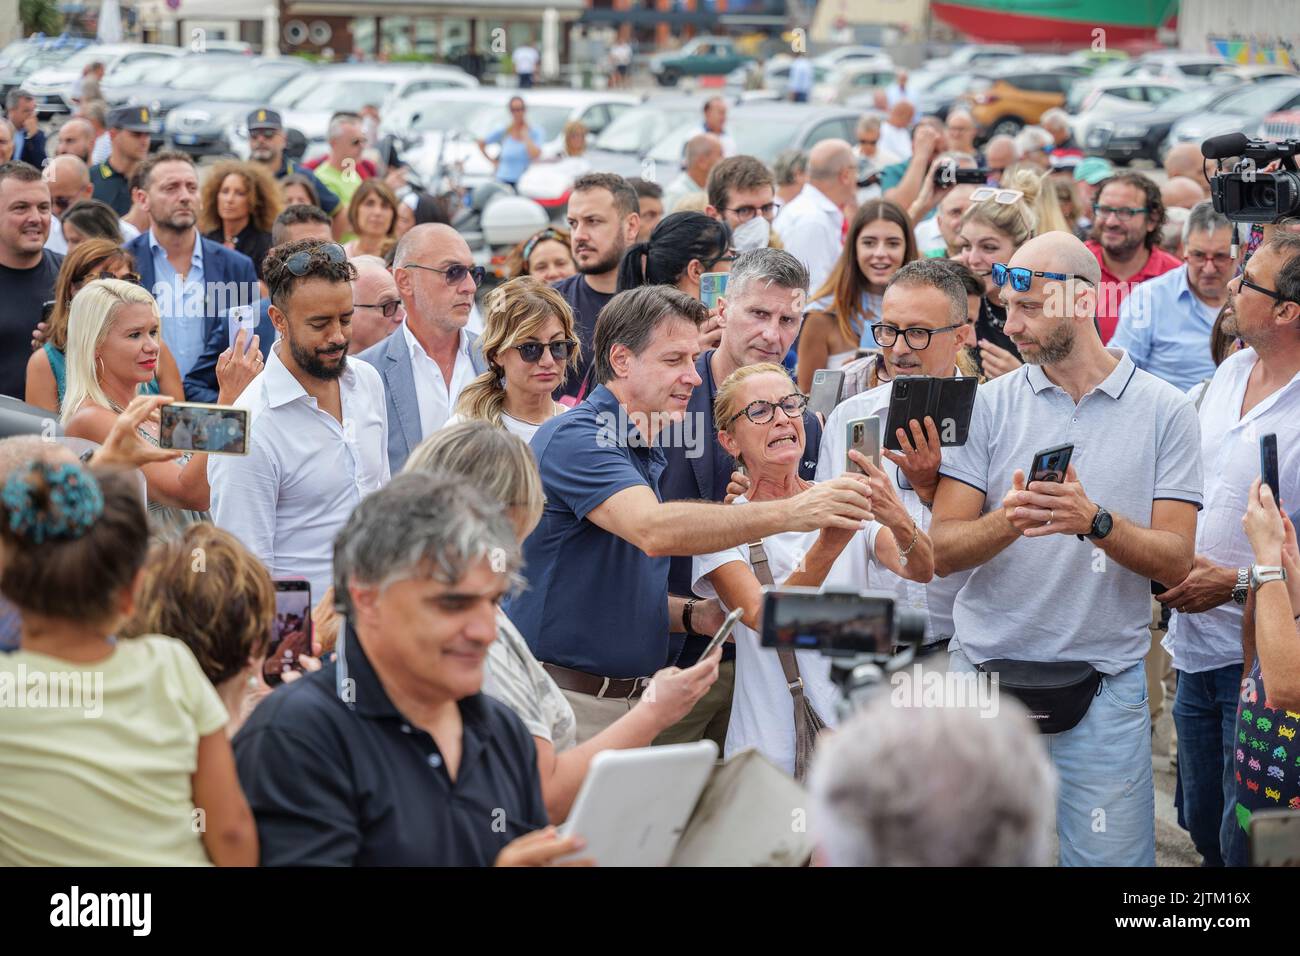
x=923 y=315
x=318 y=428
x=812 y=225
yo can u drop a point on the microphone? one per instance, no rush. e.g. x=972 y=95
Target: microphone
x=1221 y=147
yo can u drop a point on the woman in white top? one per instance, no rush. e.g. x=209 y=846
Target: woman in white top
x=503 y=466
x=759 y=415
x=530 y=344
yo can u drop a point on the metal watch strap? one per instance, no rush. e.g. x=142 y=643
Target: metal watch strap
x=1242 y=587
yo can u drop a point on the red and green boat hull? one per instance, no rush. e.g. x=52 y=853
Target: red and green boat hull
x=1065 y=22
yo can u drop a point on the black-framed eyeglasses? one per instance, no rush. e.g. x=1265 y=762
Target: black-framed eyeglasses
x=761 y=412
x=1022 y=279
x=729 y=257
x=1247 y=284
x=746 y=213
x=916 y=339
x=388 y=308
x=1122 y=213
x=455 y=273
x=299 y=262
x=531 y=352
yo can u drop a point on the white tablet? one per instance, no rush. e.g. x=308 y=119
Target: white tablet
x=634 y=804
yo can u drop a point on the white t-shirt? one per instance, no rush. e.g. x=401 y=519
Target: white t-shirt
x=515 y=426
x=762 y=712
x=526 y=59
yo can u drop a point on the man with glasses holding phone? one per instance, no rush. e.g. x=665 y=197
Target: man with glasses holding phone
x=1127 y=218
x=1165 y=325
x=431 y=357
x=1078 y=555
x=318 y=426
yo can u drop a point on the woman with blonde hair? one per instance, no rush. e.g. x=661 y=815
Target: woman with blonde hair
x=238 y=206
x=530 y=344
x=503 y=467
x=112 y=350
x=999 y=220
x=47 y=367
x=879 y=242
x=373 y=216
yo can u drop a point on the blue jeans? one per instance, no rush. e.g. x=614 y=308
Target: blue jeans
x=1205 y=714
x=1106 y=799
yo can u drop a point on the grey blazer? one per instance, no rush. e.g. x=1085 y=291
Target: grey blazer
x=393 y=362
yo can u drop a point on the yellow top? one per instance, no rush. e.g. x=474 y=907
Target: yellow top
x=96 y=759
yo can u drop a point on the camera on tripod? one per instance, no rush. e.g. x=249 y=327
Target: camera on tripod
x=1246 y=195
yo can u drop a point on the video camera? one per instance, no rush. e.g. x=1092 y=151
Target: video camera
x=1246 y=195
x=863 y=633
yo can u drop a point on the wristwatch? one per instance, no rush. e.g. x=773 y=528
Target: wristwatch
x=1242 y=587
x=1101 y=525
x=686 y=618
x=1262 y=574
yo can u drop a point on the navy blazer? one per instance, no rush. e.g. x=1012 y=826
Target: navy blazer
x=392 y=360
x=204 y=372
x=33 y=150
x=220 y=266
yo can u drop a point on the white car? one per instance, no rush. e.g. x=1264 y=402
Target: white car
x=852 y=55
x=52 y=87
x=853 y=78
x=1106 y=99
x=307 y=103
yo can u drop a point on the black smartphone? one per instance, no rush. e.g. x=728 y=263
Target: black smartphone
x=813 y=619
x=950 y=402
x=47 y=309
x=1050 y=464
x=291 y=630
x=825 y=394
x=1268 y=465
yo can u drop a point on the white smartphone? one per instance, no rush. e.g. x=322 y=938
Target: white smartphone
x=724 y=632
x=241 y=317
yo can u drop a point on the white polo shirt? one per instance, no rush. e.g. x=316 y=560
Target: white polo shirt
x=304 y=473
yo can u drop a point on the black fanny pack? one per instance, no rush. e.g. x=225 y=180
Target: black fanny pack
x=1057 y=693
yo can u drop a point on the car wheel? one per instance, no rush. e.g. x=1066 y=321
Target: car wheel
x=669 y=78
x=1007 y=126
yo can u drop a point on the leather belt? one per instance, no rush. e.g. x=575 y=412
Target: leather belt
x=934 y=648
x=602 y=688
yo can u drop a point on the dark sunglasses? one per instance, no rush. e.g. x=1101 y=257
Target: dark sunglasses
x=388 y=308
x=455 y=273
x=761 y=412
x=299 y=262
x=531 y=352
x=916 y=339
x=262 y=133
x=1022 y=279
x=62 y=202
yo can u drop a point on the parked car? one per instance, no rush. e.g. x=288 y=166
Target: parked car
x=1110 y=99
x=1244 y=110
x=932 y=92
x=52 y=87
x=701 y=56
x=1007 y=103
x=1141 y=135
x=174 y=82
x=622 y=144
x=22 y=58
x=1284 y=124
x=1252 y=73
x=852 y=79
x=975 y=56
x=307 y=102
x=198 y=126
x=852 y=55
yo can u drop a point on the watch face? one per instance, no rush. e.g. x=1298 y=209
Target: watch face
x=1102 y=524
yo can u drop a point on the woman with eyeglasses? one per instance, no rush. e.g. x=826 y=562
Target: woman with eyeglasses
x=520 y=144
x=545 y=255
x=759 y=417
x=373 y=215
x=879 y=242
x=530 y=344
x=113 y=345
x=997 y=223
x=47 y=368
x=237 y=208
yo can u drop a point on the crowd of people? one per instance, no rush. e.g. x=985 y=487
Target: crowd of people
x=520 y=517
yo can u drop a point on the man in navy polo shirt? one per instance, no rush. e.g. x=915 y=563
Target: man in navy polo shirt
x=762 y=313
x=596 y=611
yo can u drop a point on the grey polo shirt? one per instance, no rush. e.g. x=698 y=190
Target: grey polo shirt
x=1136 y=439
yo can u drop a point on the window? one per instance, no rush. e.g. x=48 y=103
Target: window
x=830 y=129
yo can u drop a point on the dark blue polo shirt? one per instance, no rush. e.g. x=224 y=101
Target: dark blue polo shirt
x=594 y=602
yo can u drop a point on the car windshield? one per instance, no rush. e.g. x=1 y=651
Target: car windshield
x=87 y=56
x=330 y=96
x=253 y=85
x=763 y=138
x=950 y=85
x=206 y=75
x=1189 y=100
x=638 y=129
x=149 y=70
x=1256 y=98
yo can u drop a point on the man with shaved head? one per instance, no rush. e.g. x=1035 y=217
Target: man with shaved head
x=1060 y=567
x=69 y=181
x=999 y=153
x=76 y=138
x=702 y=152
x=1185 y=159
x=1181 y=192
x=431 y=357
x=378 y=306
x=812 y=224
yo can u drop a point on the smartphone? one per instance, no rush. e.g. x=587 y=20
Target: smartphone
x=862 y=434
x=291 y=629
x=194 y=426
x=47 y=309
x=724 y=632
x=241 y=318
x=826 y=388
x=713 y=286
x=1268 y=465
x=1275 y=838
x=813 y=619
x=950 y=402
x=1050 y=464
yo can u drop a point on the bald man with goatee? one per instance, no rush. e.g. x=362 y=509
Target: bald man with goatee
x=431 y=357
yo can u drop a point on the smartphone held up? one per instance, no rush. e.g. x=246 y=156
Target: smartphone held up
x=197 y=427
